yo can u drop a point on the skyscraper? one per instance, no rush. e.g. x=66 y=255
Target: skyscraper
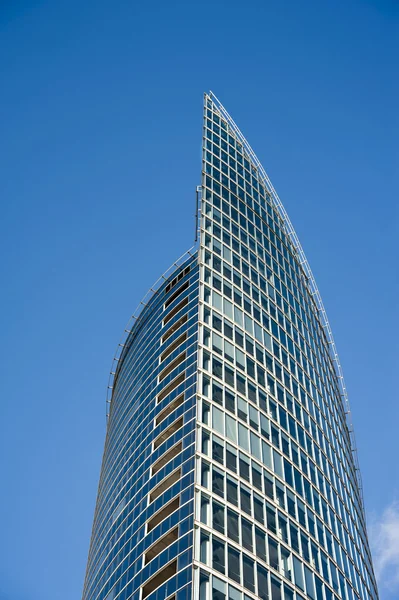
x=229 y=469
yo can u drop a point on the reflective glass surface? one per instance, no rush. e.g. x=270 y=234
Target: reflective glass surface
x=274 y=450
x=228 y=471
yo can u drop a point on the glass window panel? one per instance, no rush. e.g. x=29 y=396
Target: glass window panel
x=218 y=516
x=248 y=573
x=217 y=394
x=229 y=351
x=205 y=445
x=204 y=509
x=244 y=466
x=271 y=518
x=289 y=593
x=234 y=594
x=256 y=476
x=233 y=558
x=204 y=546
x=243 y=437
x=218 y=589
x=276 y=588
x=230 y=401
x=286 y=563
x=204 y=585
x=267 y=455
x=217 y=300
x=265 y=426
x=260 y=544
x=246 y=532
x=232 y=491
x=258 y=509
x=205 y=472
x=245 y=500
x=231 y=428
x=298 y=572
x=255 y=446
x=231 y=458
x=217 y=449
x=218 y=419
x=232 y=525
x=263 y=585
x=217 y=343
x=310 y=588
x=269 y=488
x=273 y=553
x=242 y=409
x=278 y=463
x=217 y=482
x=218 y=559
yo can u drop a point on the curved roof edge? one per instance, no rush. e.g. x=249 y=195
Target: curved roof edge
x=311 y=281
x=136 y=315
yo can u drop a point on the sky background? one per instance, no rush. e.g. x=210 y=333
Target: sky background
x=100 y=147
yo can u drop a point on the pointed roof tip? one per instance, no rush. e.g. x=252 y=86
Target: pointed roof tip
x=212 y=96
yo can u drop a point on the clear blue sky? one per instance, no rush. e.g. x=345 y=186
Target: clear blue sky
x=101 y=108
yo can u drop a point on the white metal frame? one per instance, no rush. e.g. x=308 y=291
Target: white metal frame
x=310 y=279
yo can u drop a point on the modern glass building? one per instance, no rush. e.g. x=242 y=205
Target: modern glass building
x=229 y=469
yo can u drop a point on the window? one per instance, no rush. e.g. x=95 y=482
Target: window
x=231 y=458
x=246 y=533
x=263 y=585
x=232 y=525
x=232 y=491
x=218 y=482
x=245 y=500
x=273 y=554
x=260 y=544
x=166 y=457
x=160 y=578
x=162 y=514
x=217 y=449
x=161 y=544
x=218 y=560
x=233 y=557
x=218 y=589
x=218 y=516
x=248 y=573
x=164 y=485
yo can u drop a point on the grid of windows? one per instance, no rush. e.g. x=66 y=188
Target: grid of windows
x=279 y=508
x=142 y=538
x=228 y=471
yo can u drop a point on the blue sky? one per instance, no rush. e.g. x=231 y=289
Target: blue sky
x=101 y=108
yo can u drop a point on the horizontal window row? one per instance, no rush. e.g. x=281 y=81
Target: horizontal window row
x=212 y=587
x=253 y=538
x=178 y=342
x=176 y=279
x=243 y=569
x=176 y=294
x=264 y=513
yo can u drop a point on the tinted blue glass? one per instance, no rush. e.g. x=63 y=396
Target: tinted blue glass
x=227 y=412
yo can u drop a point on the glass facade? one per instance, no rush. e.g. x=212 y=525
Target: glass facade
x=228 y=470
